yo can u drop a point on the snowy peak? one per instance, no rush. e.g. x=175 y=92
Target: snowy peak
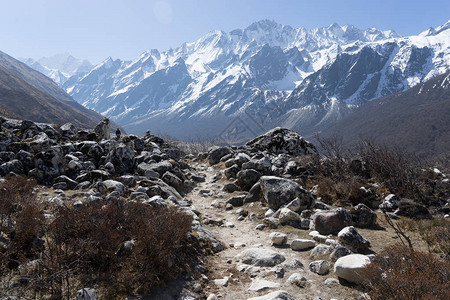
x=59 y=67
x=431 y=31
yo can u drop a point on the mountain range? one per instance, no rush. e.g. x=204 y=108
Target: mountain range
x=59 y=67
x=235 y=85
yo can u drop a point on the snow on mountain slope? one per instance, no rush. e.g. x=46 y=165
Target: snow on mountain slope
x=59 y=67
x=266 y=74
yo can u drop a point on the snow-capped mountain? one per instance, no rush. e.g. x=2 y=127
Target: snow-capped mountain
x=59 y=67
x=248 y=80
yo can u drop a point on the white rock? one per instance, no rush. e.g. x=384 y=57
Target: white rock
x=229 y=224
x=287 y=215
x=221 y=282
x=302 y=244
x=212 y=297
x=261 y=285
x=260 y=257
x=350 y=266
x=278 y=295
x=269 y=212
x=278 y=238
x=318 y=237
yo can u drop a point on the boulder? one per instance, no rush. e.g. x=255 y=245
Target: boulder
x=320 y=249
x=350 y=267
x=389 y=203
x=320 y=267
x=87 y=294
x=254 y=194
x=327 y=222
x=245 y=179
x=236 y=200
x=352 y=239
x=123 y=158
x=112 y=185
x=103 y=130
x=302 y=244
x=278 y=238
x=231 y=172
x=282 y=140
x=230 y=187
x=278 y=191
x=216 y=153
x=260 y=257
x=411 y=209
x=241 y=158
x=172 y=180
x=338 y=252
x=363 y=216
x=260 y=285
x=263 y=165
x=287 y=216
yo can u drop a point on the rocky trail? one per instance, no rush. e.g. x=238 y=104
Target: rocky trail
x=230 y=278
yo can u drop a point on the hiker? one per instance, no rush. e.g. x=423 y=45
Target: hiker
x=118 y=133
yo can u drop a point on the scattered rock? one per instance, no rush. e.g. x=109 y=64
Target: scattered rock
x=260 y=257
x=349 y=267
x=320 y=267
x=301 y=244
x=278 y=238
x=297 y=279
x=262 y=285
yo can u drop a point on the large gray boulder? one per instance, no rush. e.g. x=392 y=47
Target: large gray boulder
x=350 y=267
x=282 y=140
x=247 y=178
x=123 y=158
x=352 y=239
x=216 y=153
x=327 y=222
x=278 y=191
x=363 y=216
x=260 y=257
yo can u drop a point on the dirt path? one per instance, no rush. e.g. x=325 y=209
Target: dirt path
x=223 y=264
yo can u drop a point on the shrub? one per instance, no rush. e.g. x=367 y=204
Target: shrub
x=125 y=248
x=399 y=273
x=396 y=169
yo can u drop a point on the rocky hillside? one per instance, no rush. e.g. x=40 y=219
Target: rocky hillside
x=282 y=220
x=416 y=120
x=31 y=95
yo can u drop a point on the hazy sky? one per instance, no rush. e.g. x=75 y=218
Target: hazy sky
x=96 y=29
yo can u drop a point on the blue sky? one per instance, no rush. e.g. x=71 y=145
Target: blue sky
x=96 y=29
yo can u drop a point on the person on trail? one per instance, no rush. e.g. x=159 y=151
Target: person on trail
x=118 y=133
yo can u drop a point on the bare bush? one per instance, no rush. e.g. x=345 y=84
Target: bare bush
x=399 y=273
x=398 y=170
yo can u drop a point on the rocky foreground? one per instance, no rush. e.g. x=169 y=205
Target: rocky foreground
x=272 y=237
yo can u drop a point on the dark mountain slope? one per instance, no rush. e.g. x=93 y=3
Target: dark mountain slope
x=417 y=120
x=28 y=94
